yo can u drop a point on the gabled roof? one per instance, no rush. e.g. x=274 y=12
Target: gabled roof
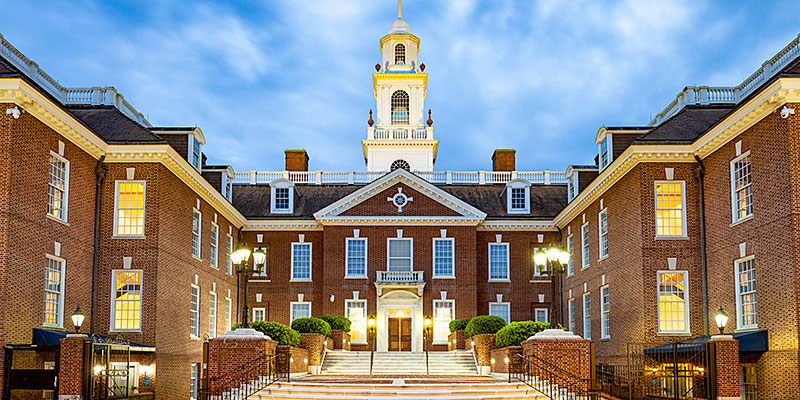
x=112 y=125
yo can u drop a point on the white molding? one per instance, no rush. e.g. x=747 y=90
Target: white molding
x=346 y=256
x=522 y=226
x=683 y=209
x=114 y=234
x=686 y=302
x=282 y=225
x=391 y=220
x=452 y=259
x=489 y=263
x=310 y=262
x=410 y=240
x=64 y=201
x=281 y=183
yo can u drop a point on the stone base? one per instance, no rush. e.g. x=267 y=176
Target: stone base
x=484 y=370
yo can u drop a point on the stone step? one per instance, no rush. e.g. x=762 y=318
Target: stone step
x=406 y=391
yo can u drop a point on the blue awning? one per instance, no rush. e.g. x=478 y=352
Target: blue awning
x=749 y=342
x=48 y=337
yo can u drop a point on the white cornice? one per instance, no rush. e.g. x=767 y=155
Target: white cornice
x=516 y=225
x=405 y=221
x=282 y=225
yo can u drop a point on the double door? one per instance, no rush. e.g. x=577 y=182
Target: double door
x=399 y=334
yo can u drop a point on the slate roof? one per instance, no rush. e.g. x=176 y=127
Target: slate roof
x=6 y=68
x=687 y=125
x=112 y=125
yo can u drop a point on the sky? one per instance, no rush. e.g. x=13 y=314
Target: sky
x=259 y=77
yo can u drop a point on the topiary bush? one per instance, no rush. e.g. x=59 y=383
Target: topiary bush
x=279 y=332
x=338 y=323
x=517 y=332
x=459 y=324
x=312 y=325
x=484 y=324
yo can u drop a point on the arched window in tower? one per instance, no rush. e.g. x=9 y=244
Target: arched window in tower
x=397 y=164
x=400 y=54
x=399 y=108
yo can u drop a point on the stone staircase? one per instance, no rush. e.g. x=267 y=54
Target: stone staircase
x=399 y=389
x=459 y=363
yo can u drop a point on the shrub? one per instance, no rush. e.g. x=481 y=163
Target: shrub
x=517 y=332
x=278 y=332
x=311 y=325
x=338 y=323
x=459 y=324
x=484 y=324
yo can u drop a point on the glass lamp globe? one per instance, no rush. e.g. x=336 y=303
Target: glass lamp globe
x=563 y=257
x=540 y=259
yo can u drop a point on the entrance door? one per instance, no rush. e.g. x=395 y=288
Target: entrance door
x=399 y=334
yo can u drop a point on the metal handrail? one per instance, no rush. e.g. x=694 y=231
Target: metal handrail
x=243 y=383
x=551 y=380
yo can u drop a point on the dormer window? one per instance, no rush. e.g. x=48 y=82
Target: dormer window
x=399 y=108
x=195 y=155
x=227 y=186
x=571 y=186
x=400 y=54
x=282 y=196
x=604 y=152
x=518 y=198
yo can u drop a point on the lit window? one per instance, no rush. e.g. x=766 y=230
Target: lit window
x=258 y=314
x=587 y=316
x=400 y=54
x=127 y=301
x=282 y=198
x=399 y=108
x=356 y=312
x=194 y=312
x=228 y=262
x=604 y=156
x=570 y=268
x=54 y=292
x=673 y=302
x=443 y=257
x=746 y=293
x=129 y=204
x=571 y=314
x=498 y=261
x=540 y=315
x=444 y=311
x=740 y=187
x=356 y=259
x=605 y=313
x=585 y=245
x=196 y=223
x=214 y=245
x=400 y=255
x=502 y=310
x=300 y=310
x=228 y=308
x=301 y=261
x=670 y=217
x=196 y=156
x=602 y=219
x=538 y=273
x=212 y=315
x=58 y=187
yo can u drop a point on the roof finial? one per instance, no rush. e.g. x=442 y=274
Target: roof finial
x=399 y=9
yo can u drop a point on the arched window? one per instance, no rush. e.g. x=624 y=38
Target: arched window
x=400 y=54
x=399 y=108
x=401 y=164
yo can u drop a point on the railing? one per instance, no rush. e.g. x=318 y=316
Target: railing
x=435 y=177
x=400 y=133
x=243 y=383
x=552 y=381
x=399 y=276
x=615 y=381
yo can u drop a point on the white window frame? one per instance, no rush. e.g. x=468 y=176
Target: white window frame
x=194 y=380
x=508 y=262
x=298 y=303
x=605 y=312
x=585 y=251
x=114 y=299
x=347 y=307
x=194 y=329
x=256 y=311
x=281 y=184
x=214 y=246
x=65 y=194
x=518 y=184
x=197 y=234
x=538 y=274
x=685 y=301
x=609 y=152
x=310 y=262
x=505 y=304
x=435 y=324
x=228 y=313
x=739 y=311
x=544 y=312
x=734 y=203
x=228 y=261
x=571 y=185
x=452 y=274
x=571 y=314
x=227 y=186
x=347 y=256
x=587 y=315
x=116 y=209
x=602 y=234
x=389 y=256
x=570 y=263
x=196 y=161
x=684 y=229
x=61 y=293
x=212 y=316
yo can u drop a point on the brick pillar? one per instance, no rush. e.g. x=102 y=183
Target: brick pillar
x=482 y=346
x=726 y=367
x=316 y=344
x=562 y=349
x=236 y=350
x=457 y=340
x=71 y=368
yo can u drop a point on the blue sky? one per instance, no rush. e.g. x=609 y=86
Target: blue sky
x=537 y=76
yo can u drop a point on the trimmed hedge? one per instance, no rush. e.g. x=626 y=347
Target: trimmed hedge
x=338 y=323
x=459 y=324
x=484 y=324
x=278 y=332
x=517 y=332
x=311 y=325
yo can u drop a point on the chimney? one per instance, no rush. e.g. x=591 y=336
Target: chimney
x=296 y=160
x=504 y=160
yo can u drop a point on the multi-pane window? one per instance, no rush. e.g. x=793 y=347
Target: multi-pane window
x=400 y=255
x=602 y=219
x=400 y=54
x=212 y=315
x=399 y=108
x=196 y=157
x=740 y=187
x=570 y=267
x=587 y=316
x=300 y=310
x=518 y=199
x=585 y=245
x=538 y=273
x=443 y=257
x=604 y=158
x=194 y=312
x=301 y=261
x=214 y=243
x=498 y=261
x=444 y=311
x=127 y=302
x=228 y=308
x=356 y=258
x=605 y=313
x=129 y=205
x=195 y=377
x=571 y=315
x=571 y=187
x=502 y=310
x=673 y=302
x=54 y=292
x=229 y=250
x=356 y=312
x=282 y=198
x=58 y=186
x=258 y=314
x=540 y=315
x=196 y=224
x=746 y=293
x=670 y=217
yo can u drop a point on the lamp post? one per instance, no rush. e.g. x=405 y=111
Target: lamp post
x=426 y=327
x=721 y=319
x=241 y=258
x=371 y=334
x=552 y=262
x=77 y=319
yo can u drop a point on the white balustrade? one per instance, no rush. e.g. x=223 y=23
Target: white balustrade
x=435 y=177
x=399 y=277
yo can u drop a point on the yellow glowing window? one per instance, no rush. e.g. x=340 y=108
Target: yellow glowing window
x=127 y=301
x=54 y=292
x=356 y=312
x=670 y=215
x=673 y=302
x=130 y=208
x=443 y=313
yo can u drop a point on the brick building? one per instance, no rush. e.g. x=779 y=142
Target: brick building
x=689 y=213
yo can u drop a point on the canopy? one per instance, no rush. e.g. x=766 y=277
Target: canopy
x=48 y=337
x=749 y=342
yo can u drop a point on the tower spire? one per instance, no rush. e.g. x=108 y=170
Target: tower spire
x=399 y=9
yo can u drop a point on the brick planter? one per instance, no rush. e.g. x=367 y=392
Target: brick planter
x=298 y=361
x=500 y=356
x=235 y=351
x=341 y=340
x=483 y=345
x=457 y=340
x=70 y=375
x=562 y=349
x=316 y=344
x=329 y=343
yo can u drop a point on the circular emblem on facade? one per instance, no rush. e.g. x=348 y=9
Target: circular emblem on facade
x=399 y=199
x=401 y=164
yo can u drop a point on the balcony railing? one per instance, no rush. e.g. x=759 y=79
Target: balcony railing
x=400 y=133
x=435 y=177
x=399 y=277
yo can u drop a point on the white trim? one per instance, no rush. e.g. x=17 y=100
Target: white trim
x=585 y=246
x=227 y=318
x=683 y=208
x=212 y=333
x=734 y=217
x=609 y=151
x=347 y=241
x=263 y=314
x=512 y=225
x=545 y=310
x=281 y=184
x=112 y=310
x=192 y=335
x=291 y=310
x=739 y=325
x=62 y=293
x=508 y=262
x=605 y=325
x=388 y=255
x=116 y=234
x=212 y=258
x=452 y=257
x=525 y=187
x=570 y=244
x=347 y=303
x=310 y=262
x=601 y=238
x=571 y=314
x=452 y=308
x=586 y=317
x=685 y=301
x=507 y=304
x=65 y=200
x=228 y=251
x=199 y=234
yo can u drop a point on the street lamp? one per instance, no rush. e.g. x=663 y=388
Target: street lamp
x=371 y=334
x=77 y=319
x=721 y=319
x=552 y=262
x=241 y=257
x=426 y=327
